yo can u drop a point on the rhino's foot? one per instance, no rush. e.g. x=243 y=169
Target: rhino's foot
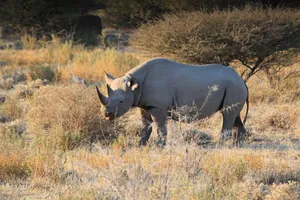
x=143 y=142
x=237 y=144
x=161 y=143
x=225 y=142
x=226 y=135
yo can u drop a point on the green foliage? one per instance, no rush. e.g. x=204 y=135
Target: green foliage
x=25 y=13
x=44 y=16
x=257 y=37
x=88 y=30
x=41 y=72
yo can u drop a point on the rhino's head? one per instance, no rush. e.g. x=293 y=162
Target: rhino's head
x=120 y=96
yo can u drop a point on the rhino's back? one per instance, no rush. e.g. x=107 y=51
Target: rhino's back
x=161 y=69
x=166 y=83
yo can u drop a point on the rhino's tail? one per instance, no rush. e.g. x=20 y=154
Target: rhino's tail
x=247 y=101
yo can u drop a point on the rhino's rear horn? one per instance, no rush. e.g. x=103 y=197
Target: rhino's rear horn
x=103 y=99
x=109 y=90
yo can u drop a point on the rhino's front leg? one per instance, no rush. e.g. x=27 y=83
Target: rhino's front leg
x=159 y=117
x=147 y=128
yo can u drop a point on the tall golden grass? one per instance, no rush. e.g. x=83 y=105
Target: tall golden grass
x=70 y=60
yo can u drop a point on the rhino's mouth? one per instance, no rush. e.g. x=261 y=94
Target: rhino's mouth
x=109 y=116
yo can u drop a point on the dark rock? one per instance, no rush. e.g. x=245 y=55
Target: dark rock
x=3 y=63
x=17 y=127
x=78 y=80
x=3 y=119
x=111 y=41
x=2 y=99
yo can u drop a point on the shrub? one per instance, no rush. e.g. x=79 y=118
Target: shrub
x=60 y=51
x=258 y=38
x=67 y=116
x=12 y=163
x=7 y=83
x=41 y=72
x=283 y=191
x=29 y=42
x=281 y=120
x=12 y=109
x=225 y=169
x=22 y=92
x=12 y=166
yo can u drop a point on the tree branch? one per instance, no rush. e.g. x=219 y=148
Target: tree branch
x=245 y=64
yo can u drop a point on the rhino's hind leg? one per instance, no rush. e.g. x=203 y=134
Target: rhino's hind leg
x=228 y=122
x=231 y=108
x=147 y=128
x=240 y=132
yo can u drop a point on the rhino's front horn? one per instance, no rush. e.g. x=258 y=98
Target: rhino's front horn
x=103 y=99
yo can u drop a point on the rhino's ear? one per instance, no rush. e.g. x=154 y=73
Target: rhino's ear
x=133 y=84
x=108 y=78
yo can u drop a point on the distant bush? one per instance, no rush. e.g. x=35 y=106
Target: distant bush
x=12 y=109
x=29 y=42
x=88 y=30
x=41 y=72
x=257 y=38
x=13 y=166
x=44 y=16
x=6 y=83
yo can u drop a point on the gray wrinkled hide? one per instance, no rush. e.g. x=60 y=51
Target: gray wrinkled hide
x=160 y=84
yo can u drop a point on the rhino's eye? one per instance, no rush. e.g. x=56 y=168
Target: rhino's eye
x=121 y=101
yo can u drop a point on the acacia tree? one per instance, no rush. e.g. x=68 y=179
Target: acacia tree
x=258 y=38
x=132 y=13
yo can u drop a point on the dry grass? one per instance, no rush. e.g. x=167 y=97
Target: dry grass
x=54 y=158
x=286 y=91
x=69 y=60
x=12 y=166
x=183 y=172
x=12 y=109
x=68 y=115
x=29 y=42
x=90 y=65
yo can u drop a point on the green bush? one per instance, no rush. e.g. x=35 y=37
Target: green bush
x=258 y=38
x=44 y=16
x=41 y=72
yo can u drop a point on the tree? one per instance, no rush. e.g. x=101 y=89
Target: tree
x=258 y=38
x=133 y=13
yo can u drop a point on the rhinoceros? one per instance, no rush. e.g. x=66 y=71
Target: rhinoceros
x=160 y=85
